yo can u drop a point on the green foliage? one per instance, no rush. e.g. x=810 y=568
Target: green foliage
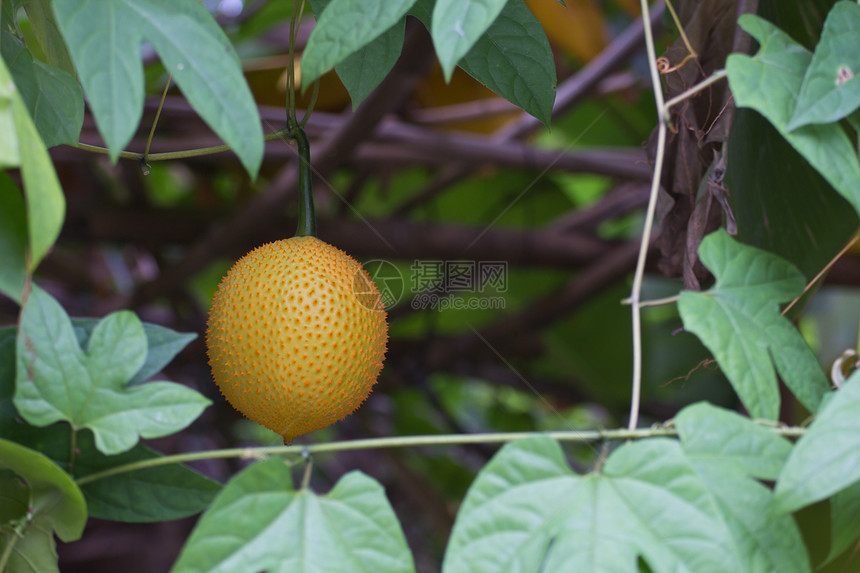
x=92 y=391
x=21 y=146
x=770 y=83
x=104 y=39
x=830 y=89
x=75 y=395
x=260 y=522
x=740 y=322
x=347 y=27
x=457 y=25
x=822 y=463
x=44 y=501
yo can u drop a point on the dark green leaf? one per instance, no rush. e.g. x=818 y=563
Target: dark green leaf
x=527 y=511
x=365 y=68
x=457 y=25
x=343 y=28
x=259 y=522
x=44 y=25
x=739 y=320
x=770 y=181
x=770 y=83
x=513 y=58
x=105 y=39
x=732 y=440
x=14 y=499
x=57 y=381
x=844 y=525
x=824 y=461
x=831 y=86
x=53 y=97
x=13 y=239
x=53 y=494
x=155 y=494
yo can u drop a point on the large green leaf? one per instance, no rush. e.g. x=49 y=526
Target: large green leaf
x=105 y=39
x=728 y=450
x=738 y=319
x=53 y=494
x=457 y=25
x=526 y=511
x=732 y=440
x=58 y=381
x=52 y=96
x=343 y=28
x=259 y=522
x=365 y=68
x=824 y=461
x=513 y=58
x=770 y=83
x=831 y=88
x=46 y=206
x=13 y=239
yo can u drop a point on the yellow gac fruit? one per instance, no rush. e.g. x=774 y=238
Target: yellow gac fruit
x=296 y=335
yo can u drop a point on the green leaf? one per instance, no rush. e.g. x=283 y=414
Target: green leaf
x=162 y=345
x=457 y=25
x=57 y=381
x=44 y=198
x=365 y=68
x=148 y=495
x=770 y=83
x=259 y=522
x=44 y=25
x=105 y=39
x=13 y=240
x=739 y=320
x=343 y=28
x=824 y=460
x=513 y=58
x=35 y=552
x=526 y=511
x=9 y=155
x=727 y=450
x=771 y=182
x=831 y=88
x=844 y=525
x=732 y=440
x=14 y=499
x=53 y=494
x=53 y=97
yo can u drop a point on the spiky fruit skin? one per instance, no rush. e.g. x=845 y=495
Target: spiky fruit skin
x=296 y=336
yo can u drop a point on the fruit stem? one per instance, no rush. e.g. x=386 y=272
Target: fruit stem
x=307 y=220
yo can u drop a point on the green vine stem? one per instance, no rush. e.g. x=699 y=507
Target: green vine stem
x=260 y=453
x=171 y=155
x=307 y=219
x=13 y=537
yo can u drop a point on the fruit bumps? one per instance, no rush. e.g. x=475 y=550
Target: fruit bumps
x=296 y=335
